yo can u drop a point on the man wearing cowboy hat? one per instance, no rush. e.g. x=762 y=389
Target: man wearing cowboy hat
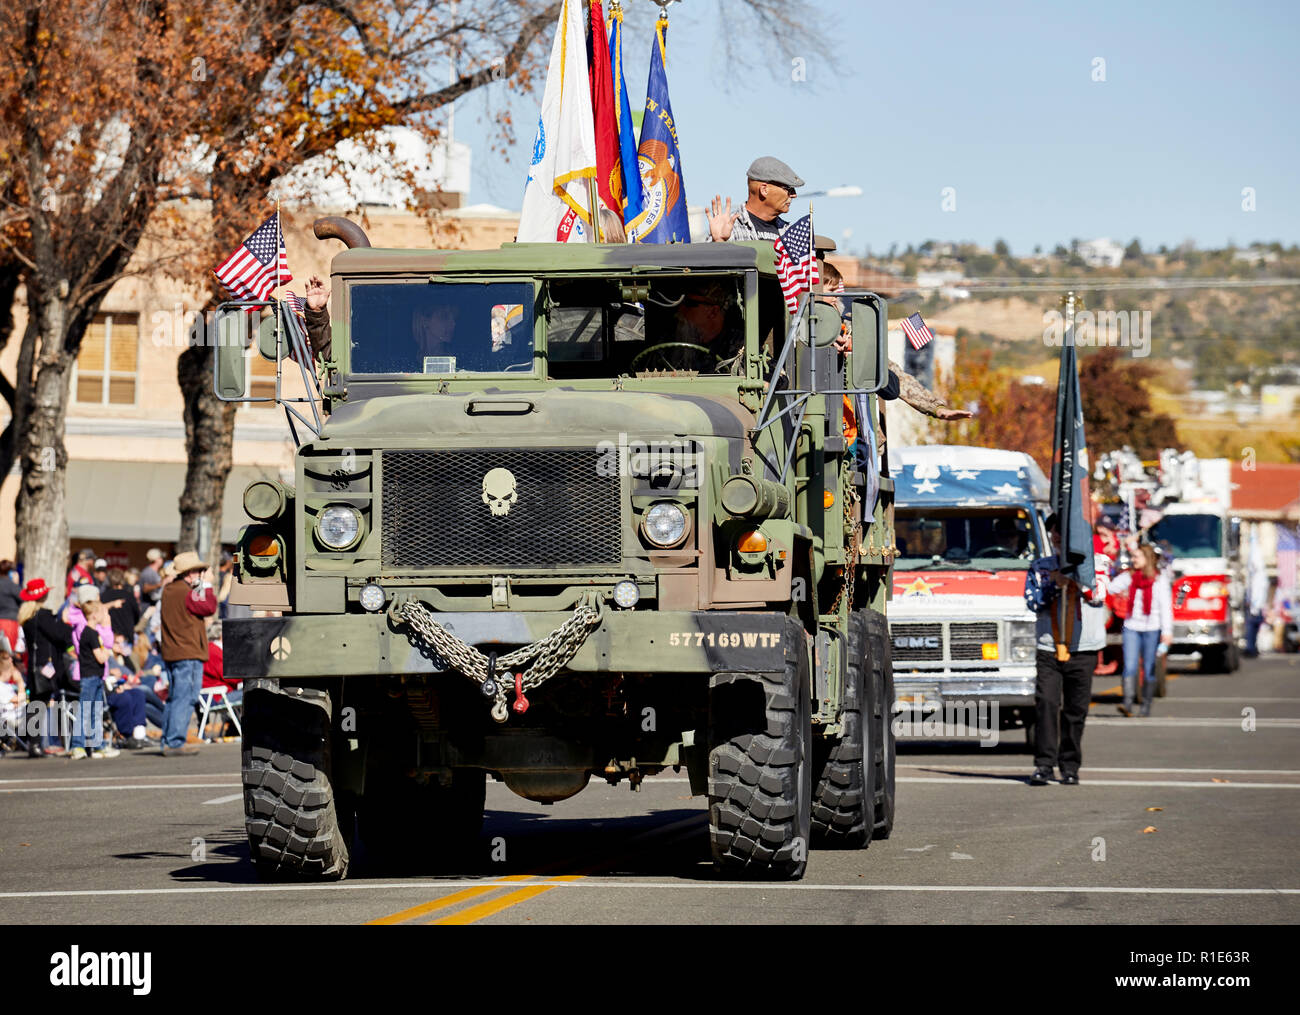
x=185 y=603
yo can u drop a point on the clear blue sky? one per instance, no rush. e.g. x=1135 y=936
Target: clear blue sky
x=995 y=99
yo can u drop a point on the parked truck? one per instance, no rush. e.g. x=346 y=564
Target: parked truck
x=523 y=542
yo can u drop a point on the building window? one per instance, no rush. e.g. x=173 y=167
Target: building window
x=108 y=361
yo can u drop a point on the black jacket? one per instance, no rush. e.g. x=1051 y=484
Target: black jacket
x=48 y=639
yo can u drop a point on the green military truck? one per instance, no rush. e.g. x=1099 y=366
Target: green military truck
x=563 y=511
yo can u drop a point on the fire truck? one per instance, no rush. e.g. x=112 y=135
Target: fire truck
x=1185 y=505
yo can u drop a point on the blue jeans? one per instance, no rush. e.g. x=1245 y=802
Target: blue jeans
x=1144 y=643
x=88 y=726
x=154 y=706
x=186 y=678
x=1254 y=621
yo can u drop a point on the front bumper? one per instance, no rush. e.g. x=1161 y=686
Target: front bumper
x=301 y=646
x=1009 y=690
x=1199 y=633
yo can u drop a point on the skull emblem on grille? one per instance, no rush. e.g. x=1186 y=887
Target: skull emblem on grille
x=500 y=491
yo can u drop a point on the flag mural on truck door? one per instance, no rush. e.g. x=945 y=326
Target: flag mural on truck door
x=557 y=197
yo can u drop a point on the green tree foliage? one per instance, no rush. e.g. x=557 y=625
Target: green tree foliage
x=1117 y=405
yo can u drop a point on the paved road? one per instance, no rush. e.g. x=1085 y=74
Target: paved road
x=144 y=839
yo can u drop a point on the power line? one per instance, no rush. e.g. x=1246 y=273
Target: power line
x=1082 y=285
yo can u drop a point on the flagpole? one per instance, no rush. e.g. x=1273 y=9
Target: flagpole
x=1064 y=627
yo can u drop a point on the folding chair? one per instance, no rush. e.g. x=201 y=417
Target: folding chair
x=213 y=701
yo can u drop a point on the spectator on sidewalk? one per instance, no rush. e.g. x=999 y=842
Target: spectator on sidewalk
x=214 y=668
x=99 y=574
x=151 y=578
x=48 y=639
x=80 y=574
x=123 y=610
x=185 y=604
x=10 y=602
x=92 y=655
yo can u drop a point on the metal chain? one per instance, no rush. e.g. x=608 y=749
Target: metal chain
x=548 y=655
x=852 y=554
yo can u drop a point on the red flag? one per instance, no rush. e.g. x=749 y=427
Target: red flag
x=609 y=168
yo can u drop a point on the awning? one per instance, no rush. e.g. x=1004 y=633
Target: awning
x=140 y=500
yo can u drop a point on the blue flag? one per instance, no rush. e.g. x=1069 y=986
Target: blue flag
x=626 y=133
x=663 y=216
x=1069 y=489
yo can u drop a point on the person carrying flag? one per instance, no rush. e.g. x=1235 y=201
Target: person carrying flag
x=772 y=186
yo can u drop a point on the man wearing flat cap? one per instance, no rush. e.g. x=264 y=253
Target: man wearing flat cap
x=772 y=185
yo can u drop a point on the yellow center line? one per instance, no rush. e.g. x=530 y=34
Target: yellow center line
x=485 y=909
x=447 y=900
x=673 y=831
x=660 y=837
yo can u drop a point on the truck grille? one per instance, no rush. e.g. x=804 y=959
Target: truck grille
x=555 y=509
x=965 y=641
x=941 y=641
x=917 y=641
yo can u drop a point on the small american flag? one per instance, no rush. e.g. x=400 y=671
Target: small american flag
x=295 y=304
x=796 y=262
x=259 y=265
x=916 y=331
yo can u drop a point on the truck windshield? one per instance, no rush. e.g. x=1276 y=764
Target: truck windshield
x=997 y=539
x=694 y=324
x=1190 y=535
x=441 y=328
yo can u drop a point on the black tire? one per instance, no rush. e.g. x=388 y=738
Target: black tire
x=880 y=664
x=760 y=768
x=293 y=822
x=410 y=827
x=1232 y=659
x=844 y=800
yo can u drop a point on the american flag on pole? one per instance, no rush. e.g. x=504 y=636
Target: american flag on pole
x=796 y=262
x=295 y=304
x=1288 y=559
x=259 y=265
x=916 y=331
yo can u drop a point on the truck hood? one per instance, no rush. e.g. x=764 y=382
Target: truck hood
x=526 y=416
x=958 y=595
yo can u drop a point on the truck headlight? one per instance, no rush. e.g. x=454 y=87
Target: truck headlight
x=1024 y=641
x=665 y=524
x=339 y=526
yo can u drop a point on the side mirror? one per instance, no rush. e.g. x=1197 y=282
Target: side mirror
x=869 y=360
x=1234 y=536
x=826 y=323
x=229 y=372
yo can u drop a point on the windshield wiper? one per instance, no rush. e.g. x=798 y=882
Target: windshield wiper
x=948 y=565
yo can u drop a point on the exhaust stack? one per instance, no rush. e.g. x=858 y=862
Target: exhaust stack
x=333 y=227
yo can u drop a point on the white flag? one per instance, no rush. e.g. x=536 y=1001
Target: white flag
x=557 y=198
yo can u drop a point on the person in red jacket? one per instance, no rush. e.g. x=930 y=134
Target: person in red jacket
x=214 y=670
x=184 y=605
